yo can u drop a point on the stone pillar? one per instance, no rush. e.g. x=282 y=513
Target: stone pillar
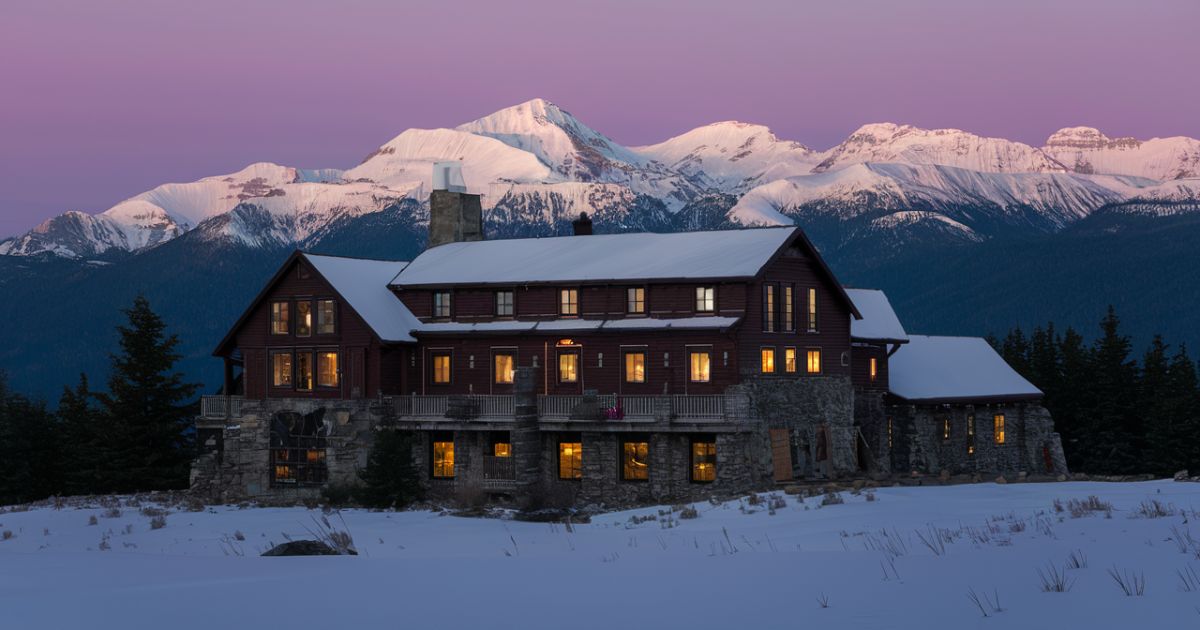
x=526 y=435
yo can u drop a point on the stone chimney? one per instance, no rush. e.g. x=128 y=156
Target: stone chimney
x=454 y=215
x=582 y=225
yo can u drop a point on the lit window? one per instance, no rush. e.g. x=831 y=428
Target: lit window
x=706 y=299
x=441 y=304
x=327 y=369
x=443 y=459
x=998 y=427
x=570 y=460
x=789 y=320
x=635 y=461
x=326 y=317
x=789 y=360
x=769 y=308
x=812 y=310
x=568 y=367
x=281 y=369
x=635 y=367
x=701 y=367
x=279 y=318
x=704 y=461
x=768 y=360
x=441 y=368
x=970 y=434
x=303 y=319
x=568 y=302
x=304 y=370
x=502 y=449
x=874 y=368
x=814 y=361
x=946 y=428
x=504 y=368
x=504 y=303
x=635 y=301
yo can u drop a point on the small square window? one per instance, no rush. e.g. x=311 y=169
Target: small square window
x=706 y=299
x=568 y=302
x=443 y=459
x=504 y=303
x=635 y=301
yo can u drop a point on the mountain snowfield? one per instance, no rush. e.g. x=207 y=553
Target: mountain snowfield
x=535 y=163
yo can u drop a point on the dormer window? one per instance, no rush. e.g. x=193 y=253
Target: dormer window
x=441 y=305
x=504 y=304
x=568 y=302
x=635 y=302
x=706 y=299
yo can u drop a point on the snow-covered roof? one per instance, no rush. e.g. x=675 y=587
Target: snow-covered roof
x=574 y=325
x=879 y=321
x=948 y=369
x=619 y=257
x=364 y=285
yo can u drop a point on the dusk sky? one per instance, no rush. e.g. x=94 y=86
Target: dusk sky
x=102 y=100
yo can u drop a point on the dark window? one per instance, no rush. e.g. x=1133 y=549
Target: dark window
x=706 y=299
x=304 y=318
x=812 y=310
x=570 y=459
x=635 y=301
x=768 y=308
x=280 y=318
x=326 y=317
x=568 y=302
x=504 y=303
x=635 y=460
x=304 y=371
x=441 y=305
x=704 y=460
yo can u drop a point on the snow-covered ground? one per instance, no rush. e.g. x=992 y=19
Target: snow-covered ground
x=736 y=566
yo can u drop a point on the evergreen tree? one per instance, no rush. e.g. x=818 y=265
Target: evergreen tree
x=84 y=450
x=1113 y=439
x=1160 y=432
x=1072 y=403
x=28 y=449
x=390 y=476
x=1181 y=408
x=1015 y=351
x=148 y=408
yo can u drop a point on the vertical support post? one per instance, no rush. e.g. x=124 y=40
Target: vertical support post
x=228 y=386
x=526 y=435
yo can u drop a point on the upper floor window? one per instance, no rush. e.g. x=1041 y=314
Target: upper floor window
x=789 y=318
x=504 y=303
x=304 y=318
x=304 y=371
x=568 y=302
x=503 y=363
x=769 y=308
x=441 y=304
x=812 y=310
x=814 y=361
x=635 y=301
x=706 y=299
x=280 y=318
x=281 y=369
x=635 y=367
x=874 y=368
x=441 y=368
x=327 y=369
x=767 y=360
x=700 y=370
x=568 y=367
x=326 y=317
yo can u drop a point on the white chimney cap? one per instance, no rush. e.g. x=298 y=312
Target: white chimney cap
x=448 y=176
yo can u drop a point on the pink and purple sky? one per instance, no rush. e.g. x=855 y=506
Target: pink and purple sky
x=102 y=100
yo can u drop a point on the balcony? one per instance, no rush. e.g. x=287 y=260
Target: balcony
x=220 y=407
x=601 y=408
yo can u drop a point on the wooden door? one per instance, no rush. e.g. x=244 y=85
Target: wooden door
x=781 y=454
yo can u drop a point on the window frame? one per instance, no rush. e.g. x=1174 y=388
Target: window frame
x=692 y=353
x=808 y=361
x=770 y=304
x=790 y=360
x=434 y=441
x=443 y=305
x=434 y=355
x=999 y=429
x=337 y=371
x=511 y=353
x=565 y=304
x=632 y=299
x=693 y=463
x=333 y=313
x=297 y=378
x=705 y=295
x=625 y=354
x=813 y=323
x=283 y=314
x=762 y=363
x=789 y=308
x=578 y=356
x=623 y=453
x=576 y=459
x=291 y=376
x=497 y=302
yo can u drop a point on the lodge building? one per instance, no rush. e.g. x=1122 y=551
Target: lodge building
x=600 y=369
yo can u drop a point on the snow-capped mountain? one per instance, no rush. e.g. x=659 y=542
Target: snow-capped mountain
x=1087 y=150
x=732 y=156
x=537 y=166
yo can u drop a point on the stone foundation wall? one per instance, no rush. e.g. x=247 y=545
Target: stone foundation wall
x=804 y=406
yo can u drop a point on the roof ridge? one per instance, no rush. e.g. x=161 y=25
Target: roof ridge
x=366 y=258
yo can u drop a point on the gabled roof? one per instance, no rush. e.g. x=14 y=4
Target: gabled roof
x=879 y=321
x=363 y=284
x=360 y=283
x=598 y=258
x=954 y=369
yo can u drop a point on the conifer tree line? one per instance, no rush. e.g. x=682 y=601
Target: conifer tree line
x=135 y=435
x=1117 y=413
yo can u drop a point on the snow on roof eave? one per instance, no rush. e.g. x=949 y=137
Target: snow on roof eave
x=983 y=399
x=583 y=325
x=382 y=312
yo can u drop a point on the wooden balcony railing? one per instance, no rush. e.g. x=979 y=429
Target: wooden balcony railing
x=499 y=468
x=221 y=406
x=564 y=408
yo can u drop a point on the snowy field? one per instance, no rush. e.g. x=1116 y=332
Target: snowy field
x=894 y=558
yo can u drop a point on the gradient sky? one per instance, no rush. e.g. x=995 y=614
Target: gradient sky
x=102 y=100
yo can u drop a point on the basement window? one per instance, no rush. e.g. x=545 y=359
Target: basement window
x=635 y=460
x=297 y=451
x=970 y=434
x=946 y=429
x=704 y=460
x=570 y=460
x=443 y=458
